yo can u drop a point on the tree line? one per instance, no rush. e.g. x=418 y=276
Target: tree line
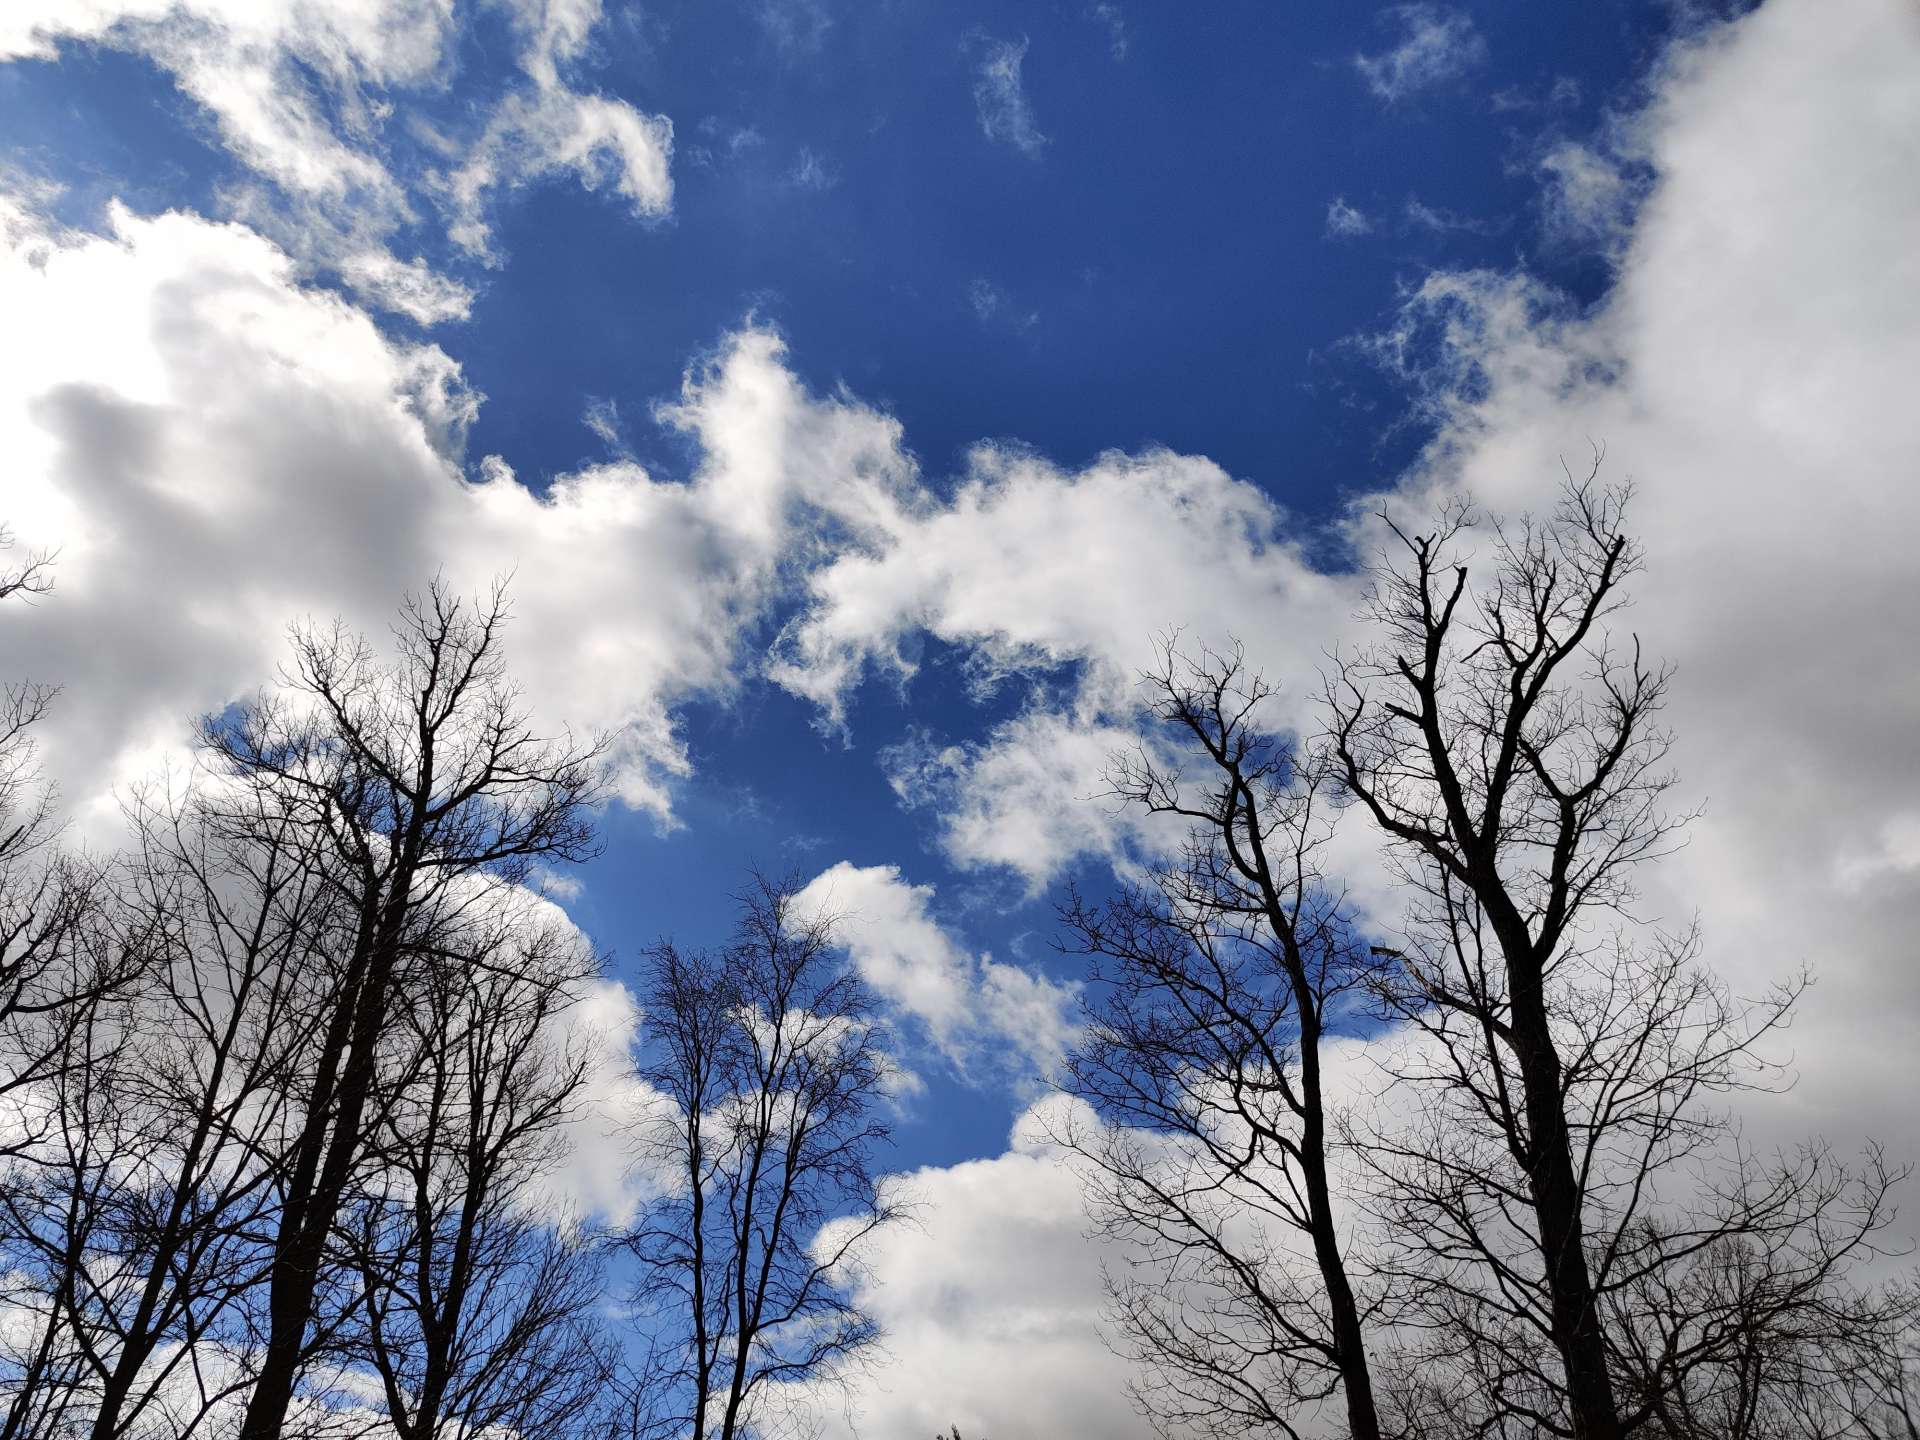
x=291 y=1078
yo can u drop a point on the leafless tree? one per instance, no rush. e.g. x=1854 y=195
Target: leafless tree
x=476 y=1310
x=1221 y=977
x=420 y=774
x=1765 y=1333
x=34 y=576
x=1568 y=1176
x=60 y=976
x=771 y=1069
x=50 y=979
x=66 y=1182
x=165 y=1174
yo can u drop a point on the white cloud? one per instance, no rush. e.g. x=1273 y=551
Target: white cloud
x=991 y=1302
x=992 y=306
x=1028 y=797
x=406 y=287
x=1750 y=368
x=235 y=57
x=1346 y=221
x=602 y=417
x=1436 y=46
x=975 y=1010
x=216 y=451
x=1000 y=98
x=603 y=142
x=1441 y=221
x=1589 y=196
x=1151 y=542
x=594 y=1178
x=309 y=96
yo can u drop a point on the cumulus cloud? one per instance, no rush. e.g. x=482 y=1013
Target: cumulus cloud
x=593 y=1180
x=1000 y=98
x=550 y=128
x=1749 y=366
x=992 y=1306
x=1436 y=46
x=216 y=450
x=1028 y=797
x=1159 y=541
x=975 y=1010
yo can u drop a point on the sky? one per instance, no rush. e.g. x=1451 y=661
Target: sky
x=854 y=391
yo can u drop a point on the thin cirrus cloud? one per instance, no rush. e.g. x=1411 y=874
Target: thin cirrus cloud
x=1435 y=46
x=1000 y=100
x=1346 y=221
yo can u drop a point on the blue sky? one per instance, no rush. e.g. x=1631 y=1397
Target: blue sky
x=1267 y=260
x=1157 y=269
x=1143 y=255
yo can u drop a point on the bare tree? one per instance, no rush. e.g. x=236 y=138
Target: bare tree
x=49 y=1212
x=32 y=577
x=475 y=1310
x=50 y=979
x=1222 y=976
x=1568 y=1178
x=171 y=1154
x=1765 y=1333
x=420 y=774
x=771 y=1068
x=61 y=986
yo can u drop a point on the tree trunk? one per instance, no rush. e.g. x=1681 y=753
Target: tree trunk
x=1557 y=1209
x=1343 y=1313
x=294 y=1279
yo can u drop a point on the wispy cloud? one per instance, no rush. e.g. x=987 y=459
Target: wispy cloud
x=798 y=27
x=993 y=306
x=1346 y=221
x=1436 y=46
x=1109 y=15
x=1441 y=221
x=1000 y=98
x=318 y=105
x=1589 y=196
x=812 y=171
x=602 y=417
